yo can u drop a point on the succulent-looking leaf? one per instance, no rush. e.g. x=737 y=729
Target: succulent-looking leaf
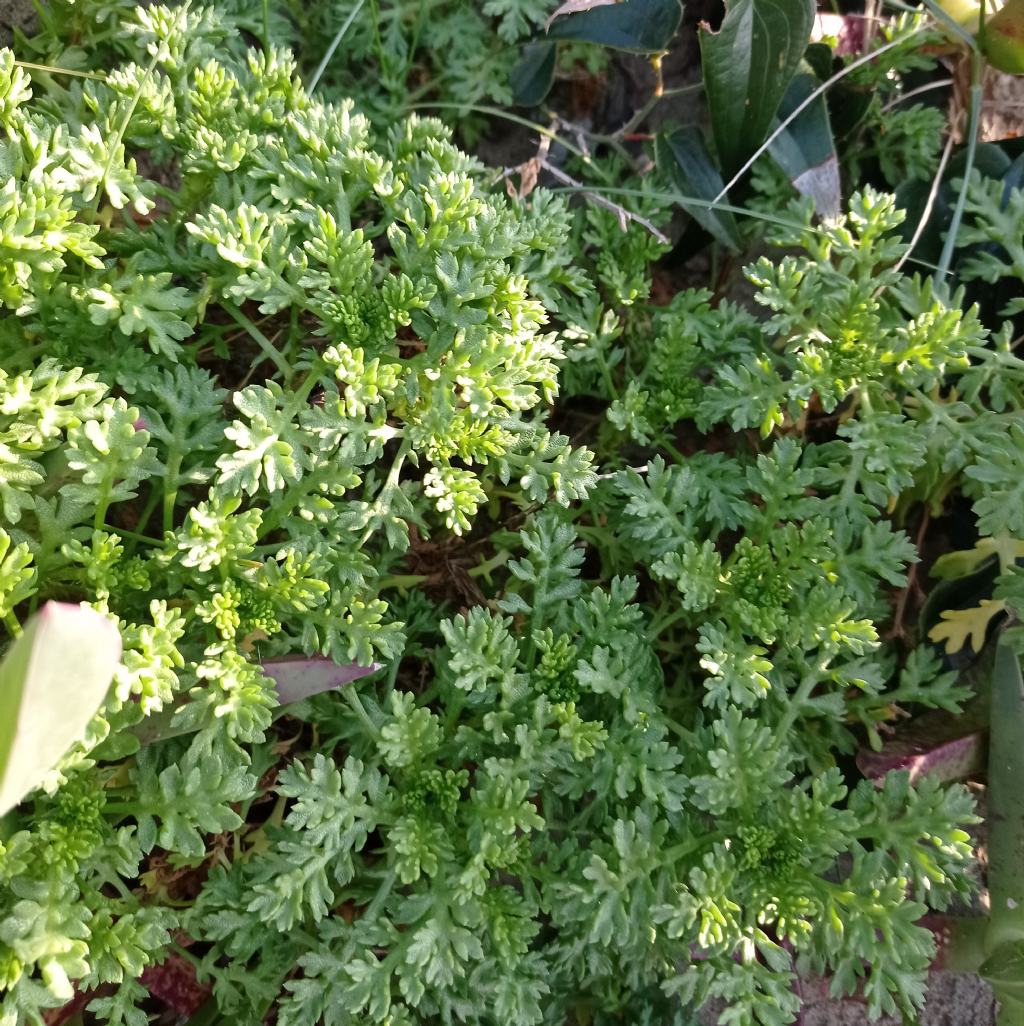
x=748 y=65
x=52 y=681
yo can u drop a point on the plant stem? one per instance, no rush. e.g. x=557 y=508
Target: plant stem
x=977 y=68
x=360 y=710
x=796 y=703
x=174 y=457
x=338 y=36
x=641 y=114
x=266 y=346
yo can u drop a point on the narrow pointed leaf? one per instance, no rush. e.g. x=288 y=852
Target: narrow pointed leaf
x=946 y=760
x=294 y=677
x=1006 y=801
x=297 y=679
x=683 y=157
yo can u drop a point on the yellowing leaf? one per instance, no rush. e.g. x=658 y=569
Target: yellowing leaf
x=959 y=564
x=959 y=625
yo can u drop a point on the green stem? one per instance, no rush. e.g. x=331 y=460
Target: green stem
x=174 y=458
x=13 y=624
x=134 y=535
x=300 y=397
x=680 y=731
x=680 y=851
x=662 y=624
x=796 y=703
x=974 y=118
x=52 y=70
x=338 y=36
x=360 y=710
x=401 y=581
x=673 y=451
x=89 y=215
x=147 y=511
x=102 y=505
x=266 y=346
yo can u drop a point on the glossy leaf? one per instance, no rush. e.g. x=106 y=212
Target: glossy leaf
x=684 y=158
x=748 y=65
x=638 y=26
x=533 y=74
x=52 y=681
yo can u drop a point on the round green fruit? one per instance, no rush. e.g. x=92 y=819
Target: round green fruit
x=966 y=13
x=1003 y=41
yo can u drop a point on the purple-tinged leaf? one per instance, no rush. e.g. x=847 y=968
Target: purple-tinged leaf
x=294 y=677
x=297 y=678
x=945 y=760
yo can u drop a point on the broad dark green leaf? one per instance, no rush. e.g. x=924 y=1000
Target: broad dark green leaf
x=684 y=158
x=533 y=74
x=748 y=64
x=1004 y=972
x=639 y=26
x=805 y=150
